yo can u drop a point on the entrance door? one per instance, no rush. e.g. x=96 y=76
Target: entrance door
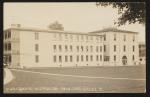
x=124 y=60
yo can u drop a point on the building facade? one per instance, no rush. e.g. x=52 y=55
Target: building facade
x=26 y=47
x=142 y=53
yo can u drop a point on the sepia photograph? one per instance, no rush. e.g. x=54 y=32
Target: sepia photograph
x=74 y=47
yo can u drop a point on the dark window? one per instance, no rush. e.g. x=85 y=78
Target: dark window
x=36 y=58
x=104 y=48
x=77 y=58
x=9 y=58
x=114 y=57
x=96 y=48
x=114 y=48
x=91 y=48
x=66 y=48
x=133 y=48
x=71 y=48
x=36 y=47
x=91 y=58
x=86 y=57
x=100 y=48
x=9 y=46
x=77 y=48
x=82 y=48
x=54 y=58
x=87 y=49
x=133 y=57
x=104 y=37
x=66 y=58
x=60 y=58
x=81 y=57
x=100 y=57
x=114 y=37
x=54 y=47
x=97 y=57
x=60 y=48
x=124 y=37
x=71 y=59
x=124 y=48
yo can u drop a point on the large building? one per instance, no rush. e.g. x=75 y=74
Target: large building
x=28 y=47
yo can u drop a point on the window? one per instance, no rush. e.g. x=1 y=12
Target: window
x=86 y=57
x=97 y=39
x=91 y=58
x=9 y=34
x=133 y=57
x=36 y=47
x=77 y=58
x=66 y=58
x=77 y=48
x=9 y=46
x=97 y=57
x=71 y=59
x=36 y=58
x=104 y=37
x=36 y=36
x=82 y=58
x=133 y=38
x=106 y=58
x=124 y=48
x=124 y=37
x=54 y=58
x=114 y=57
x=100 y=48
x=114 y=48
x=114 y=37
x=96 y=48
x=133 y=48
x=6 y=35
x=66 y=48
x=60 y=48
x=6 y=46
x=60 y=58
x=82 y=48
x=100 y=57
x=71 y=48
x=87 y=49
x=54 y=47
x=91 y=48
x=104 y=48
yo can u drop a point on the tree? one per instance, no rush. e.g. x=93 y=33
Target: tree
x=56 y=26
x=130 y=12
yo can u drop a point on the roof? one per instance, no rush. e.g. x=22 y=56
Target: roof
x=50 y=31
x=113 y=30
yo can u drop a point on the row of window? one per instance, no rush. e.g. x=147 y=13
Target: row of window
x=124 y=37
x=71 y=37
x=80 y=58
x=7 y=46
x=78 y=48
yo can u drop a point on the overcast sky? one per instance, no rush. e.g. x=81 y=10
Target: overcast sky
x=80 y=17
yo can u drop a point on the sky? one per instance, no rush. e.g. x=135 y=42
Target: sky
x=76 y=17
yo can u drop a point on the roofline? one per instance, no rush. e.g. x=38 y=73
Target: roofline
x=50 y=31
x=118 y=30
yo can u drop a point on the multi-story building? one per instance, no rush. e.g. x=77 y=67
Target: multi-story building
x=28 y=47
x=120 y=46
